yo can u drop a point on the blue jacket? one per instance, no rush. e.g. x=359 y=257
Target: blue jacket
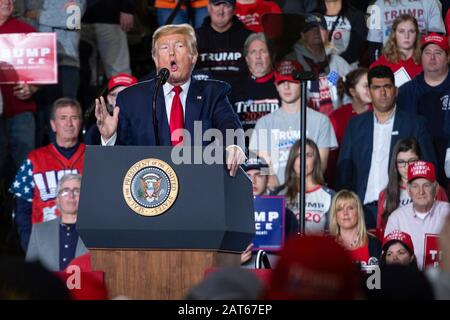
x=207 y=101
x=355 y=154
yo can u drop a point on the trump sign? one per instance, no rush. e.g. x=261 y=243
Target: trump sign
x=28 y=58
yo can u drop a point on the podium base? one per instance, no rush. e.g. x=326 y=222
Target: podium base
x=157 y=275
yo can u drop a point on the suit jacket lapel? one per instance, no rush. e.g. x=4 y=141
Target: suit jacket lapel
x=368 y=143
x=81 y=248
x=163 y=122
x=397 y=127
x=53 y=238
x=194 y=103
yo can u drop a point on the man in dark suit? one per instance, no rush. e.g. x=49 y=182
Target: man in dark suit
x=369 y=139
x=182 y=100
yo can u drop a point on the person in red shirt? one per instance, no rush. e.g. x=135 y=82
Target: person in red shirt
x=347 y=225
x=406 y=151
x=18 y=103
x=251 y=11
x=402 y=49
x=356 y=86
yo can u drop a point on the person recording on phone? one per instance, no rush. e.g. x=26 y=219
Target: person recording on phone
x=179 y=102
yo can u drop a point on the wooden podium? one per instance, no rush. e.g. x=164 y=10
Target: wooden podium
x=161 y=257
x=157 y=275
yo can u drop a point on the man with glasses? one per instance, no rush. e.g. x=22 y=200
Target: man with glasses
x=56 y=243
x=369 y=139
x=425 y=215
x=36 y=180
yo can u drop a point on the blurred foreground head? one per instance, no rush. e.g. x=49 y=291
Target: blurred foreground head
x=314 y=268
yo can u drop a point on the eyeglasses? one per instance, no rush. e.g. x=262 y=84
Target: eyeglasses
x=403 y=163
x=66 y=192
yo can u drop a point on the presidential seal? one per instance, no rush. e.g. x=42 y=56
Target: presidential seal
x=150 y=187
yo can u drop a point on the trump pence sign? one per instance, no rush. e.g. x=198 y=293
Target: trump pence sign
x=28 y=58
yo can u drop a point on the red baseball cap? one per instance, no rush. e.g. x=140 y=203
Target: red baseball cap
x=421 y=169
x=121 y=79
x=283 y=71
x=313 y=267
x=398 y=235
x=437 y=39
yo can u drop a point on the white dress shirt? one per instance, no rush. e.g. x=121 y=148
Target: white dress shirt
x=378 y=174
x=168 y=98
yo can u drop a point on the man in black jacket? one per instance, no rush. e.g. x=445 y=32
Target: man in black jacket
x=220 y=43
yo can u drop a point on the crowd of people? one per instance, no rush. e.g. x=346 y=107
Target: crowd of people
x=377 y=158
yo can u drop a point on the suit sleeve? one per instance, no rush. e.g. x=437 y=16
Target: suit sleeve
x=123 y=131
x=345 y=166
x=224 y=117
x=23 y=221
x=33 y=248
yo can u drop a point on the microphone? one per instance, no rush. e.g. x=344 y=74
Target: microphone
x=161 y=79
x=162 y=76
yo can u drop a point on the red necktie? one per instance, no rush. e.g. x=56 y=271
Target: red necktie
x=176 y=115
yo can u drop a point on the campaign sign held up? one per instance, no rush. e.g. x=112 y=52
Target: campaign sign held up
x=432 y=254
x=28 y=58
x=269 y=223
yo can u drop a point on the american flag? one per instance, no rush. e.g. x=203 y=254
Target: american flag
x=333 y=77
x=23 y=185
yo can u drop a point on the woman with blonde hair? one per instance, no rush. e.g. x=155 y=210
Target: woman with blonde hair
x=348 y=226
x=402 y=49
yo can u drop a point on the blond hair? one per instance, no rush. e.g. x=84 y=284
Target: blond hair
x=183 y=29
x=345 y=196
x=391 y=51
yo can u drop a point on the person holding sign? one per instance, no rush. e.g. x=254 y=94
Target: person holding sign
x=18 y=104
x=318 y=197
x=425 y=215
x=348 y=226
x=257 y=170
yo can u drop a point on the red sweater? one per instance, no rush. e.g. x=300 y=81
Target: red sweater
x=11 y=105
x=410 y=66
x=250 y=14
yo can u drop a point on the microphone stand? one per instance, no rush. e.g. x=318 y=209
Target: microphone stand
x=155 y=120
x=303 y=77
